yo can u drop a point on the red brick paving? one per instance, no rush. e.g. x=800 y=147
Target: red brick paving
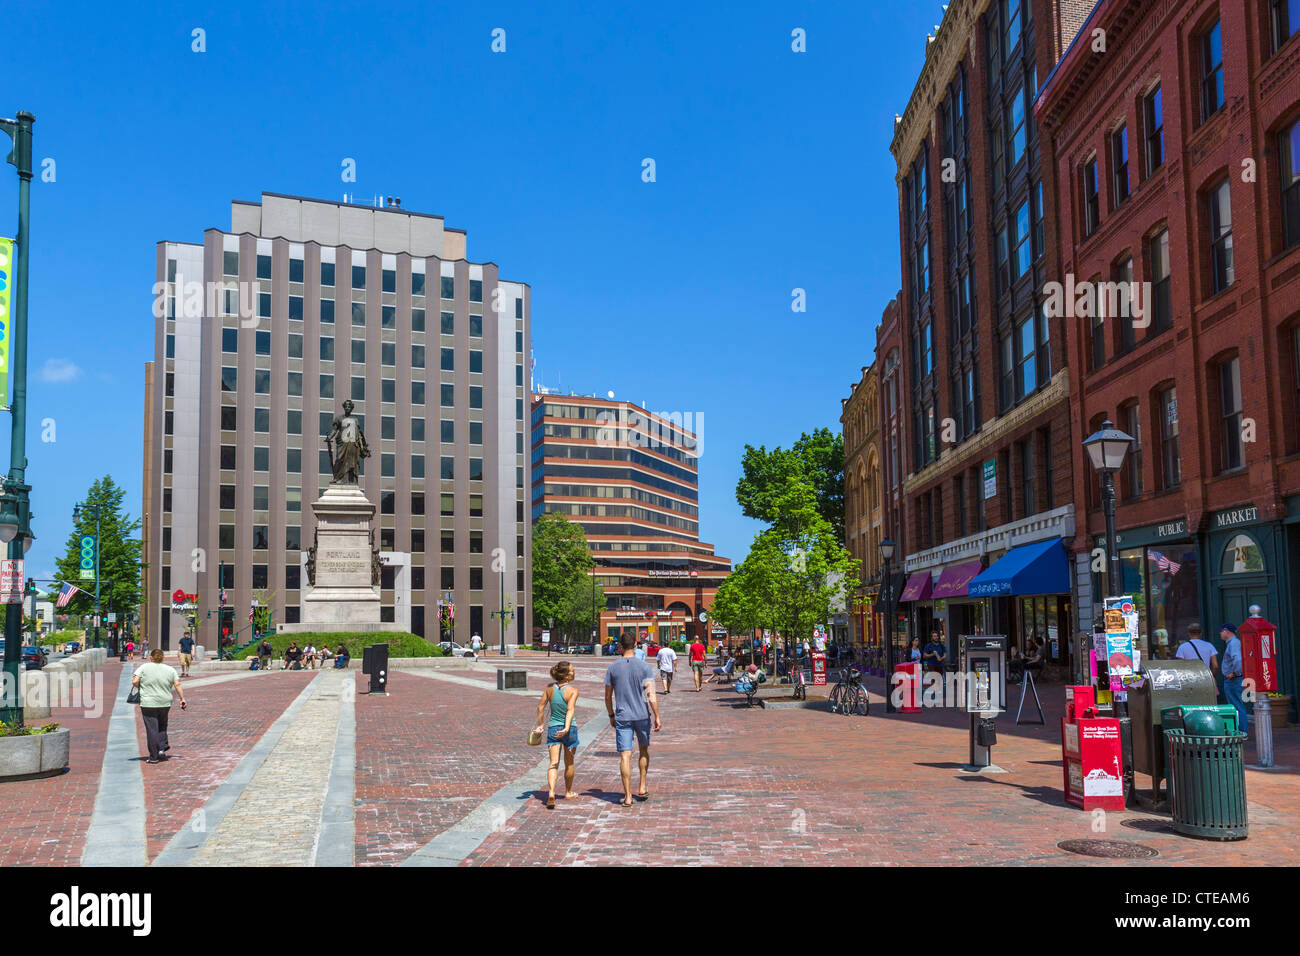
x=429 y=754
x=44 y=822
x=208 y=740
x=738 y=786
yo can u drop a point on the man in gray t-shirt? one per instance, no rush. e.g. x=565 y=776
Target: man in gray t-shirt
x=630 y=700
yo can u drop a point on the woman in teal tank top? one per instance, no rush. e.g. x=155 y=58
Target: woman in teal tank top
x=562 y=698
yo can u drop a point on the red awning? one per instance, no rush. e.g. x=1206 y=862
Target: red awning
x=918 y=587
x=955 y=579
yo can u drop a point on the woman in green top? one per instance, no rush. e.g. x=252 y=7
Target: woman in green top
x=562 y=697
x=156 y=681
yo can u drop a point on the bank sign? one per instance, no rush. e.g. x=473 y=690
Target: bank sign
x=6 y=314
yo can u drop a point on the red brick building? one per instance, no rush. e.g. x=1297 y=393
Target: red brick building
x=1177 y=159
x=982 y=379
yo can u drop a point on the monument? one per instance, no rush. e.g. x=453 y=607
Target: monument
x=342 y=564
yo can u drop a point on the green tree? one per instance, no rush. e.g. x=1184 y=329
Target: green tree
x=581 y=607
x=817 y=459
x=119 y=552
x=560 y=559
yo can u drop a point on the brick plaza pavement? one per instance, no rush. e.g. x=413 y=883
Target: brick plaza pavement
x=408 y=778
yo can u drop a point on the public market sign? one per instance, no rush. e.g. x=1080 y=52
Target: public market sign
x=1249 y=514
x=6 y=315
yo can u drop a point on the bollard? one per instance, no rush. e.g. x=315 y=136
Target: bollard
x=1263 y=731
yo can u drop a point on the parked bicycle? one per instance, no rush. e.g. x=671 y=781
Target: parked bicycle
x=848 y=696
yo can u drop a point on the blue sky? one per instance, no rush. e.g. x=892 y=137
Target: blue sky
x=773 y=173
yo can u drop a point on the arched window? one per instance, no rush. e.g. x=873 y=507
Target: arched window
x=1241 y=556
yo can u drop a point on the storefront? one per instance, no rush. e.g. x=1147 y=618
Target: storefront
x=917 y=601
x=958 y=612
x=1028 y=592
x=1160 y=568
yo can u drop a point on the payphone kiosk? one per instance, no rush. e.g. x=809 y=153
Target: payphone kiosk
x=983 y=668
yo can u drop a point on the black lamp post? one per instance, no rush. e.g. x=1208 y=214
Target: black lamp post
x=1107 y=450
x=887 y=556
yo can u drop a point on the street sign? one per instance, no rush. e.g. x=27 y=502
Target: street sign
x=87 y=557
x=11 y=581
x=112 y=617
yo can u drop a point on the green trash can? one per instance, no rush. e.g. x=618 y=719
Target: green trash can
x=1207 y=784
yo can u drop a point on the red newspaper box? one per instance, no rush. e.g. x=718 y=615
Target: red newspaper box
x=1093 y=773
x=819 y=667
x=910 y=686
x=1259 y=653
x=1078 y=700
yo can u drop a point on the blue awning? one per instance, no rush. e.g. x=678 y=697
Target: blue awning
x=1039 y=568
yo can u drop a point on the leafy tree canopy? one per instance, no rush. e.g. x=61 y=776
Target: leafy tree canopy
x=119 y=552
x=560 y=561
x=816 y=459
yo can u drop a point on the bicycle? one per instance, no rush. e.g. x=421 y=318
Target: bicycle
x=800 y=681
x=848 y=696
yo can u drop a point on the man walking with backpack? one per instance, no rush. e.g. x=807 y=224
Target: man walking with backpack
x=1195 y=649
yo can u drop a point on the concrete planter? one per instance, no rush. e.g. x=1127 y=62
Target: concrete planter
x=34 y=755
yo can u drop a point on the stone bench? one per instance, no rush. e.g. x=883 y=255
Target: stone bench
x=512 y=679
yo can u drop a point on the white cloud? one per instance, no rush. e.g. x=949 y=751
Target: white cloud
x=58 y=371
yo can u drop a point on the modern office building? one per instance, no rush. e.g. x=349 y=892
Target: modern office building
x=631 y=479
x=983 y=381
x=261 y=333
x=1178 y=164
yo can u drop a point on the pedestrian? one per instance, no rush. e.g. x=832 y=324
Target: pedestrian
x=630 y=701
x=264 y=652
x=157 y=682
x=309 y=655
x=130 y=650
x=187 y=654
x=341 y=657
x=293 y=657
x=914 y=655
x=640 y=652
x=476 y=644
x=1232 y=672
x=935 y=654
x=667 y=658
x=561 y=698
x=696 y=656
x=1196 y=649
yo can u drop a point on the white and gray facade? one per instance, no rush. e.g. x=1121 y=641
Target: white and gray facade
x=379 y=305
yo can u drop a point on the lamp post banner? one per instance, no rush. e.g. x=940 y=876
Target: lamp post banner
x=6 y=315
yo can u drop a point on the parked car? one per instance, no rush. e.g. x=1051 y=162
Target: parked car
x=72 y=647
x=456 y=650
x=33 y=659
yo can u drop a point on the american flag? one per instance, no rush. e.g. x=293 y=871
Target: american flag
x=1163 y=563
x=66 y=594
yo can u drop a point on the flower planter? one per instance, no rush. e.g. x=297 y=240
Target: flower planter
x=1281 y=710
x=34 y=755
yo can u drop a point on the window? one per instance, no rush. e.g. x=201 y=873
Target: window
x=1028 y=477
x=387 y=353
x=476 y=290
x=448 y=468
x=417 y=283
x=1154 y=117
x=358 y=388
x=447 y=546
x=227 y=497
x=476 y=433
x=293 y=461
x=388 y=280
x=387 y=390
x=476 y=506
x=447 y=505
x=417 y=466
x=327 y=349
x=1171 y=474
x=327 y=386
x=388 y=317
x=476 y=396
x=1091 y=202
x=1026 y=358
x=1131 y=483
x=358 y=277
x=448 y=326
x=417 y=502
x=226 y=536
x=1024 y=253
x=448 y=287
x=262 y=381
x=387 y=465
x=295 y=308
x=1220 y=220
x=327 y=311
x=447 y=396
x=1285 y=20
x=997 y=146
x=417 y=320
x=292 y=577
x=1013 y=24
x=476 y=469
x=293 y=499
x=387 y=427
x=293 y=422
x=476 y=579
x=1232 y=449
x=295 y=345
x=1007 y=369
x=417 y=356
x=1016 y=124
x=417 y=429
x=1040 y=242
x=1119 y=165
x=447 y=430
x=359 y=351
x=927 y=349
x=294 y=383
x=476 y=542
x=923 y=267
x=264 y=267
x=261 y=497
x=358 y=313
x=417 y=393
x=1162 y=314
x=230 y=340
x=1004 y=274
x=262 y=343
x=261 y=419
x=1123 y=278
x=327 y=273
x=476 y=326
x=264 y=305
x=295 y=270
x=1289 y=166
x=261 y=538
x=230 y=263
x=261 y=458
x=1211 y=72
x=448 y=362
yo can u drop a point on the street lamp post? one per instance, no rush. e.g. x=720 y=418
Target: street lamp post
x=886 y=556
x=503 y=614
x=15 y=518
x=1106 y=450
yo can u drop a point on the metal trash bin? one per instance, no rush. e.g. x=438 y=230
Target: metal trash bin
x=1207 y=785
